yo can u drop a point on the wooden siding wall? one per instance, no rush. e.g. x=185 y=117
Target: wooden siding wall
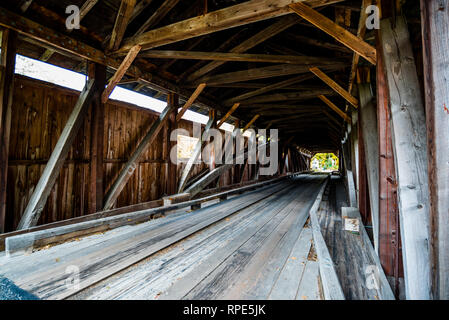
x=40 y=111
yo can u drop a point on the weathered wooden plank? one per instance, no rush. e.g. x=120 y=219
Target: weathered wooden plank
x=268 y=88
x=229 y=56
x=128 y=169
x=435 y=31
x=7 y=65
x=124 y=66
x=96 y=190
x=191 y=100
x=389 y=231
x=121 y=22
x=368 y=124
x=287 y=286
x=331 y=105
x=334 y=30
x=228 y=114
x=265 y=72
x=380 y=280
x=157 y=16
x=52 y=169
x=86 y=7
x=331 y=285
x=249 y=124
x=335 y=86
x=410 y=153
x=233 y=16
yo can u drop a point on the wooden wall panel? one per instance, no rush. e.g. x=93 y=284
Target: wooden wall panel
x=42 y=110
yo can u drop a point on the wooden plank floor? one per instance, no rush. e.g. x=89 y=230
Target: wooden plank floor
x=251 y=246
x=351 y=259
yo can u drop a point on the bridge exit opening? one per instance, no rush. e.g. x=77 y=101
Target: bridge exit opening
x=324 y=162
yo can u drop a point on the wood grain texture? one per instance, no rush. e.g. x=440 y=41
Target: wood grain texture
x=410 y=153
x=435 y=30
x=334 y=30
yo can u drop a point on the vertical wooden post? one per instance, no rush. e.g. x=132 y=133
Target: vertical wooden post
x=362 y=178
x=435 y=31
x=172 y=176
x=410 y=154
x=8 y=61
x=212 y=115
x=237 y=167
x=97 y=72
x=390 y=254
x=368 y=125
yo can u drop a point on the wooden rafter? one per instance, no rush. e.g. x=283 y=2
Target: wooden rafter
x=360 y=34
x=335 y=108
x=87 y=6
x=121 y=22
x=278 y=85
x=157 y=16
x=65 y=45
x=335 y=86
x=288 y=96
x=132 y=54
x=266 y=72
x=191 y=100
x=234 y=16
x=334 y=30
x=249 y=124
x=228 y=114
x=263 y=35
x=225 y=56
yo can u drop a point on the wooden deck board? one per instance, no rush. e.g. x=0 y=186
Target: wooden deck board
x=201 y=254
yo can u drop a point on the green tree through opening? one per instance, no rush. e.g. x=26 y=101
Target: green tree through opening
x=324 y=162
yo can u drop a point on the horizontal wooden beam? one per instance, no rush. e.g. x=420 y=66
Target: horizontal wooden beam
x=288 y=96
x=233 y=16
x=191 y=100
x=277 y=70
x=229 y=56
x=268 y=88
x=334 y=30
x=68 y=46
x=335 y=86
x=335 y=108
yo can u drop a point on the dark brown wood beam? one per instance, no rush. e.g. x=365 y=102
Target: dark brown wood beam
x=435 y=31
x=121 y=23
x=157 y=16
x=7 y=65
x=266 y=89
x=234 y=16
x=334 y=30
x=96 y=190
x=225 y=56
x=117 y=77
x=265 y=72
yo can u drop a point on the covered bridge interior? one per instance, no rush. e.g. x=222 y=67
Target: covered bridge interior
x=89 y=181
